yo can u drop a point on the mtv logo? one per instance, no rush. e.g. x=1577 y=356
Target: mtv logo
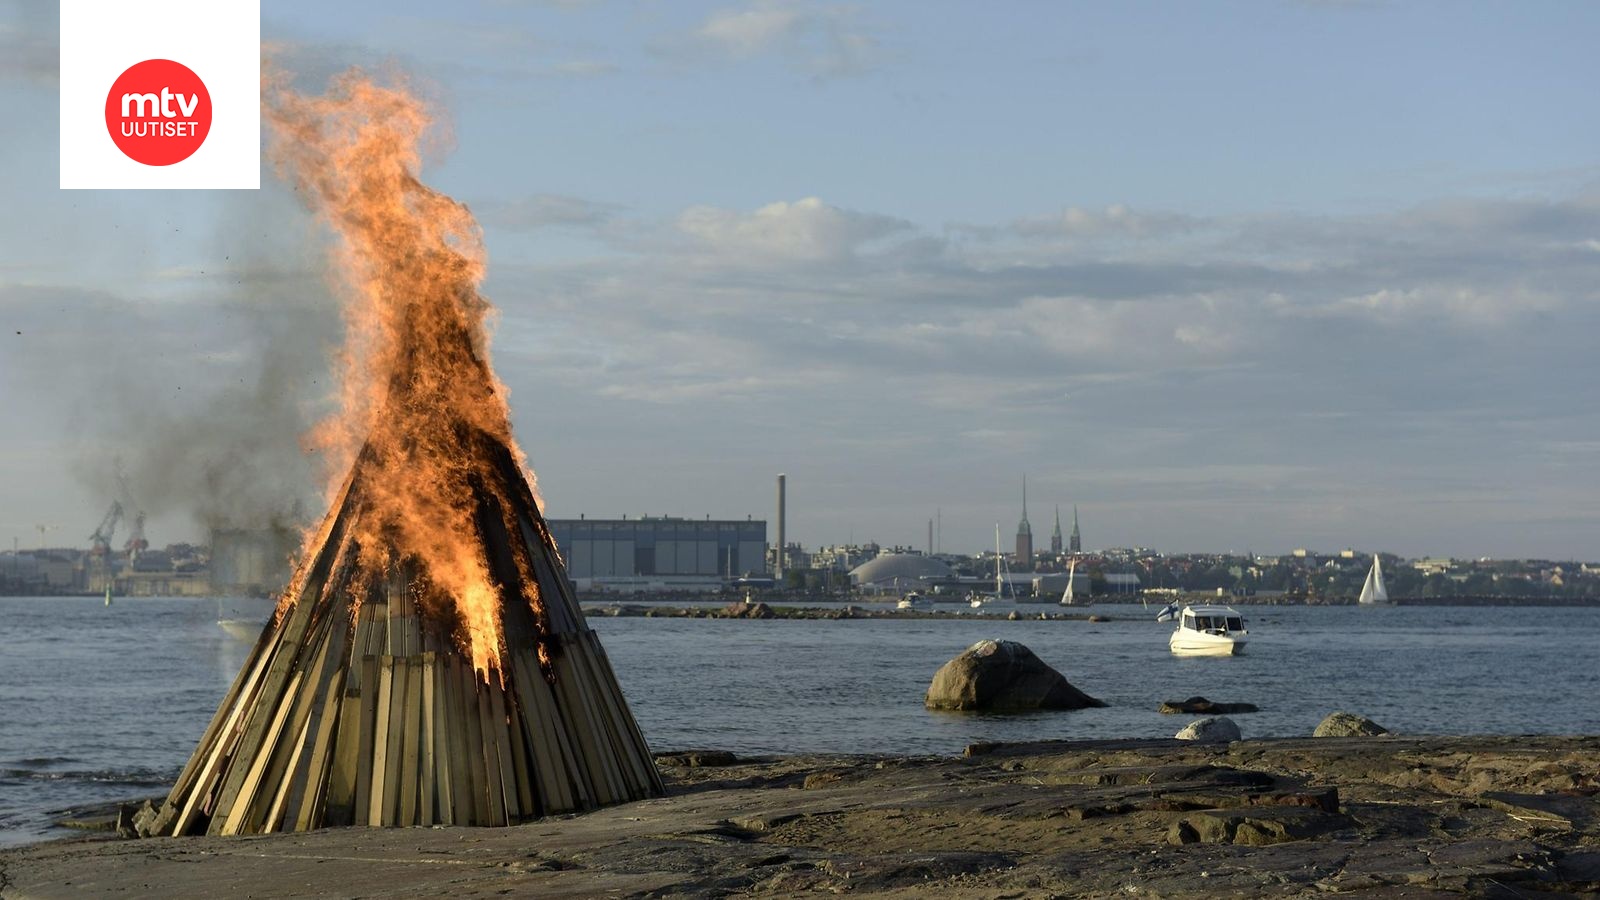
x=161 y=94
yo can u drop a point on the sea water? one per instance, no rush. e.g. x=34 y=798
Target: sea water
x=104 y=703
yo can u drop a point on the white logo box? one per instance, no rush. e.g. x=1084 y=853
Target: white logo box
x=219 y=39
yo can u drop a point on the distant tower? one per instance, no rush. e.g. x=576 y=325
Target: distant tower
x=1075 y=543
x=1024 y=531
x=778 y=560
x=1055 y=536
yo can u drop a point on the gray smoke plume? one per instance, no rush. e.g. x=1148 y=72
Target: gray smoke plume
x=204 y=406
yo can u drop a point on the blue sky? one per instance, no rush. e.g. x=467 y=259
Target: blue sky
x=1226 y=275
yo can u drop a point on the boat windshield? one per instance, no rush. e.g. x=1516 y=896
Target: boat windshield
x=1214 y=623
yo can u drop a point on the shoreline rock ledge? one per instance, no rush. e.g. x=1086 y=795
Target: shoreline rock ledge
x=1002 y=676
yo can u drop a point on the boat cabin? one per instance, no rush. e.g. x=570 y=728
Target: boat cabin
x=1213 y=619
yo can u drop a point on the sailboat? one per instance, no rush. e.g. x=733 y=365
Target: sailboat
x=978 y=600
x=1373 y=592
x=1069 y=597
x=108 y=593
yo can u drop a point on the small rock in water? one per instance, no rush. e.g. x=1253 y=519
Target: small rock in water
x=1212 y=729
x=1343 y=724
x=1202 y=706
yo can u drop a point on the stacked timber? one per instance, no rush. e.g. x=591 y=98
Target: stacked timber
x=360 y=706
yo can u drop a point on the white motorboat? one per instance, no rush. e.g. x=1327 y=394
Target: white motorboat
x=1209 y=631
x=1373 y=592
x=915 y=600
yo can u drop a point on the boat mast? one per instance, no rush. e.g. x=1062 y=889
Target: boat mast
x=998 y=593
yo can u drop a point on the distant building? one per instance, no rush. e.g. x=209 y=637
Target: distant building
x=660 y=552
x=1075 y=543
x=251 y=562
x=1055 y=536
x=900 y=571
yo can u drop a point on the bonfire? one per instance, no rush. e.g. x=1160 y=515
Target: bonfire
x=428 y=662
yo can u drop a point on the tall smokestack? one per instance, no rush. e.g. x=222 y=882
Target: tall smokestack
x=778 y=565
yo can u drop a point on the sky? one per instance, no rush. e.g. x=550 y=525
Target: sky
x=1242 y=276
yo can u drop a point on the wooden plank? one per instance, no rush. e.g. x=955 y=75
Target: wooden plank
x=208 y=775
x=232 y=817
x=439 y=731
x=487 y=757
x=472 y=732
x=225 y=711
x=427 y=795
x=577 y=783
x=578 y=711
x=411 y=744
x=394 y=758
x=271 y=822
x=307 y=770
x=521 y=762
x=341 y=795
x=371 y=679
x=379 y=772
x=313 y=801
x=550 y=784
x=264 y=709
x=640 y=765
x=463 y=780
x=496 y=723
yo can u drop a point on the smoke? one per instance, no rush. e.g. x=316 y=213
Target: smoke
x=203 y=407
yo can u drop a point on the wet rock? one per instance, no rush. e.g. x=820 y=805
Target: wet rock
x=695 y=759
x=742 y=610
x=1002 y=676
x=1256 y=826
x=1343 y=724
x=1212 y=729
x=1200 y=706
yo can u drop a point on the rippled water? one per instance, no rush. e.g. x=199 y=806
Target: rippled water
x=100 y=704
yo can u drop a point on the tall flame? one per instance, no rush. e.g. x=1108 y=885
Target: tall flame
x=414 y=371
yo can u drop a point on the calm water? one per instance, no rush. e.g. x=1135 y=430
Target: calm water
x=100 y=704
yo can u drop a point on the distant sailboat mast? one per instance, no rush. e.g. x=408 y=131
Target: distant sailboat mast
x=999 y=594
x=1373 y=590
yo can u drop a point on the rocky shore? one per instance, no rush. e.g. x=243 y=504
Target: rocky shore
x=1361 y=816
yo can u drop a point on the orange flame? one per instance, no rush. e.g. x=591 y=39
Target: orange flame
x=414 y=371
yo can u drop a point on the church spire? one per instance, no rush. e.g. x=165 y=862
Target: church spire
x=1075 y=543
x=1055 y=536
x=1024 y=532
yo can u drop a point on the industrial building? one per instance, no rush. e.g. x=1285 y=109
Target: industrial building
x=660 y=552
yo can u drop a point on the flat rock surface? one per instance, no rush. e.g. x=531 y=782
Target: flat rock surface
x=1370 y=817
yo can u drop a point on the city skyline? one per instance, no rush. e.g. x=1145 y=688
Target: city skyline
x=1241 y=276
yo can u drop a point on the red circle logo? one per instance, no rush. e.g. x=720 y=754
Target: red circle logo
x=158 y=112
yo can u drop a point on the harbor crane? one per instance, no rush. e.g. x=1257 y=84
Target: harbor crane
x=100 y=541
x=136 y=543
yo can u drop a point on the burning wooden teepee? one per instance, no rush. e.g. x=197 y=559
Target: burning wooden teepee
x=357 y=706
x=428 y=663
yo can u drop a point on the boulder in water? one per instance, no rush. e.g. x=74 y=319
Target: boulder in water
x=1343 y=724
x=1002 y=676
x=1212 y=729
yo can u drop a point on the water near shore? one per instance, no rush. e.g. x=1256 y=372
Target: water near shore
x=100 y=704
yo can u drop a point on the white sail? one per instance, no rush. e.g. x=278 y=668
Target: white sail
x=1072 y=574
x=1373 y=590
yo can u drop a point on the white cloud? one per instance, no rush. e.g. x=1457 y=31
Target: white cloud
x=820 y=40
x=806 y=230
